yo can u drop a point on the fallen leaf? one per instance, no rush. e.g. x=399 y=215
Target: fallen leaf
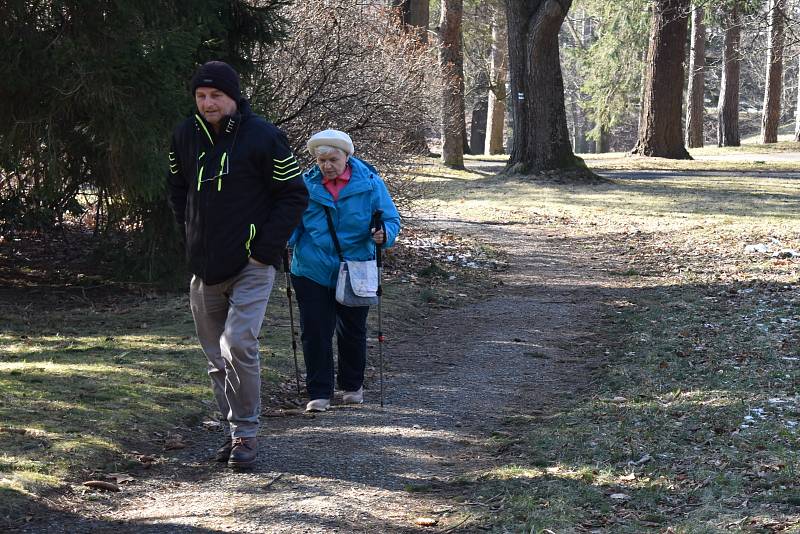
x=426 y=521
x=631 y=476
x=619 y=496
x=101 y=484
x=174 y=441
x=121 y=478
x=212 y=425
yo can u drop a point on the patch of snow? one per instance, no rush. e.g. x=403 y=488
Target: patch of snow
x=760 y=248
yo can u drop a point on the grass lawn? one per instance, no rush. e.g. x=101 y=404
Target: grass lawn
x=691 y=425
x=692 y=422
x=98 y=380
x=93 y=388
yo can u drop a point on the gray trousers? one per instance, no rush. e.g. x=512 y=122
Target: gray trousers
x=228 y=319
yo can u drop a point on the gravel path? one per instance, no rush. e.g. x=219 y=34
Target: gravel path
x=449 y=385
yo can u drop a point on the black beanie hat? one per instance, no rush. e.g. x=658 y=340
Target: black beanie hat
x=219 y=75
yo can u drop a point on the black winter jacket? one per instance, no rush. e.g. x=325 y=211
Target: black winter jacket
x=237 y=194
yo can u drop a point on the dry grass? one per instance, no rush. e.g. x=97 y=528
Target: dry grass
x=692 y=425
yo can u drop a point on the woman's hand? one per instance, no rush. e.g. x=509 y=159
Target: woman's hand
x=378 y=236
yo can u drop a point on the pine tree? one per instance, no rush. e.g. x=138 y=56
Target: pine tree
x=90 y=96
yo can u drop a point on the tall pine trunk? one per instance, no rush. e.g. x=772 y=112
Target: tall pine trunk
x=541 y=139
x=578 y=128
x=728 y=107
x=660 y=128
x=496 y=116
x=587 y=39
x=477 y=130
x=451 y=61
x=771 y=115
x=414 y=15
x=797 y=111
x=603 y=142
x=695 y=106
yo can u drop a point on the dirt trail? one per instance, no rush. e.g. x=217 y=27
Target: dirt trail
x=449 y=385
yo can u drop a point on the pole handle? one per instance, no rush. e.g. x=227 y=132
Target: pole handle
x=374 y=225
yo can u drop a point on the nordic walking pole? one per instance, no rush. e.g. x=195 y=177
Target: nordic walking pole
x=377 y=224
x=291 y=316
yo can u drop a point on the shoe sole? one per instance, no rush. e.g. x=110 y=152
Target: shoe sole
x=242 y=465
x=318 y=409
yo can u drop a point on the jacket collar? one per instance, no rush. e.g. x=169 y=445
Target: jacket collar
x=228 y=126
x=359 y=182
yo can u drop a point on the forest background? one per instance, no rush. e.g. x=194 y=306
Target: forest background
x=540 y=152
x=91 y=91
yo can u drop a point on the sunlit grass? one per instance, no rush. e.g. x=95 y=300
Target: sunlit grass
x=697 y=412
x=82 y=385
x=648 y=203
x=693 y=424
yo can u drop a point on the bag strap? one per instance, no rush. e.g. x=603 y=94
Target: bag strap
x=333 y=233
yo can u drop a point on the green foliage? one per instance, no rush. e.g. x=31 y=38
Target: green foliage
x=91 y=92
x=716 y=11
x=612 y=66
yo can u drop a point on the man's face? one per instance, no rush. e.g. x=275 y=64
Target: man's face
x=213 y=104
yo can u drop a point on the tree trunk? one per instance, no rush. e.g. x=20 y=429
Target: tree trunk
x=603 y=143
x=451 y=61
x=587 y=39
x=660 y=131
x=496 y=116
x=477 y=131
x=578 y=128
x=771 y=116
x=414 y=15
x=541 y=139
x=797 y=111
x=695 y=106
x=728 y=107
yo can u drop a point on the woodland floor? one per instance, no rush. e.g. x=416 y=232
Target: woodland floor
x=616 y=363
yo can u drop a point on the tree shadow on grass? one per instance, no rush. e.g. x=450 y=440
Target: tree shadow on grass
x=25 y=515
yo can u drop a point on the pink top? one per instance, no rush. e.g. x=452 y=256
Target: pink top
x=335 y=185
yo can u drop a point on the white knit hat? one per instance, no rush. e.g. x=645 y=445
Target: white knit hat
x=333 y=138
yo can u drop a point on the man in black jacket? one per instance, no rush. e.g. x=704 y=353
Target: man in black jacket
x=237 y=193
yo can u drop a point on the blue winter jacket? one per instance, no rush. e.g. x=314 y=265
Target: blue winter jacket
x=315 y=254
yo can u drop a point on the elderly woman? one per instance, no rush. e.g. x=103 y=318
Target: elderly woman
x=344 y=195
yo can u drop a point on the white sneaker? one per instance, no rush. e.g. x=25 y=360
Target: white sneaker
x=318 y=405
x=353 y=397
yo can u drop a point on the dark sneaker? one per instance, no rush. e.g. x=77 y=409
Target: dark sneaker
x=224 y=452
x=243 y=453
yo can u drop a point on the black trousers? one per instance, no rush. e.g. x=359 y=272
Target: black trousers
x=320 y=317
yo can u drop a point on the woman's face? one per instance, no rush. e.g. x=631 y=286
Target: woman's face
x=332 y=164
